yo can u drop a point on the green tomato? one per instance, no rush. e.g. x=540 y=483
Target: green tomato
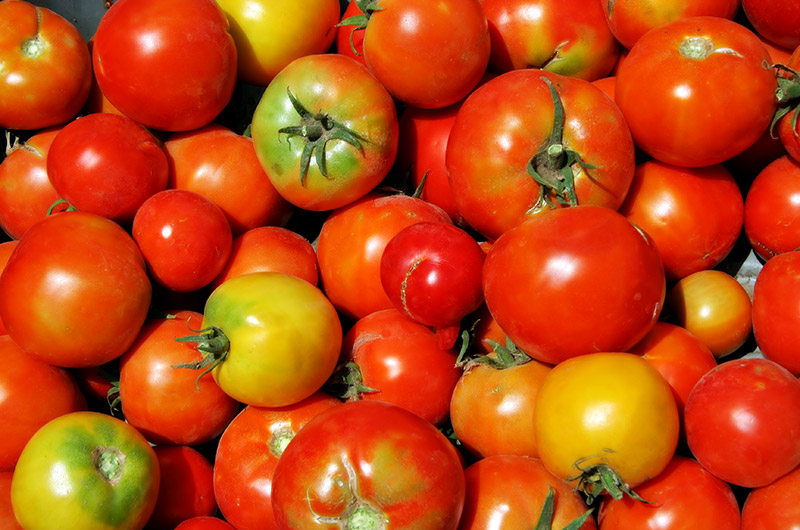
x=85 y=470
x=270 y=339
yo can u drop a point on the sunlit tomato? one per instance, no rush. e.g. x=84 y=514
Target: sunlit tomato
x=688 y=121
x=742 y=420
x=75 y=291
x=269 y=34
x=32 y=393
x=7 y=519
x=714 y=307
x=605 y=411
x=778 y=21
x=26 y=193
x=223 y=166
x=606 y=84
x=509 y=491
x=773 y=507
x=171 y=66
x=574 y=281
x=325 y=131
x=685 y=496
x=694 y=215
x=351 y=243
x=47 y=69
x=565 y=37
x=204 y=523
x=107 y=164
x=107 y=476
x=185 y=238
x=246 y=456
x=372 y=462
x=527 y=141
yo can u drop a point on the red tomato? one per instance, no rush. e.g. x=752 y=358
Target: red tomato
x=381 y=358
x=685 y=120
x=774 y=506
x=350 y=42
x=771 y=210
x=26 y=193
x=107 y=164
x=694 y=215
x=47 y=69
x=223 y=166
x=186 y=489
x=204 y=523
x=6 y=248
x=32 y=392
x=574 y=281
x=185 y=238
x=368 y=461
x=685 y=496
x=742 y=420
x=7 y=519
x=351 y=243
x=75 y=292
x=565 y=37
x=528 y=141
x=246 y=456
x=778 y=20
x=168 y=66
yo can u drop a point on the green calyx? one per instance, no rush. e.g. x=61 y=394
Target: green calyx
x=317 y=130
x=788 y=96
x=213 y=344
x=600 y=479
x=359 y=22
x=347 y=382
x=505 y=356
x=545 y=521
x=551 y=166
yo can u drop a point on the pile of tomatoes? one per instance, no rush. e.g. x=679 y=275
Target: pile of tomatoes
x=466 y=264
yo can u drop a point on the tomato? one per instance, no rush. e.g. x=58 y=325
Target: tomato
x=351 y=243
x=569 y=38
x=223 y=166
x=383 y=355
x=106 y=476
x=685 y=496
x=770 y=211
x=75 y=292
x=405 y=41
x=6 y=249
x=775 y=310
x=527 y=141
x=204 y=523
x=777 y=21
x=186 y=487
x=694 y=215
x=714 y=307
x=686 y=120
x=171 y=66
x=7 y=519
x=270 y=339
x=742 y=420
x=509 y=491
x=574 y=281
x=605 y=411
x=372 y=462
x=47 y=68
x=325 y=131
x=32 y=393
x=270 y=248
x=773 y=506
x=26 y=193
x=178 y=408
x=107 y=164
x=269 y=35
x=630 y=19
x=247 y=454
x=184 y=237
x=349 y=42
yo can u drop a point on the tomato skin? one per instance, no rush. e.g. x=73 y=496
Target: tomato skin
x=7 y=519
x=75 y=292
x=611 y=271
x=204 y=523
x=6 y=249
x=773 y=507
x=347 y=39
x=415 y=478
x=777 y=21
x=687 y=121
x=742 y=421
x=183 y=48
x=186 y=487
x=32 y=393
x=684 y=496
x=47 y=68
x=75 y=447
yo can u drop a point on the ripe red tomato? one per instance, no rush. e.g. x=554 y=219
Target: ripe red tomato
x=686 y=120
x=742 y=420
x=204 y=523
x=6 y=249
x=171 y=66
x=778 y=21
x=7 y=519
x=349 y=42
x=47 y=68
x=773 y=507
x=574 y=281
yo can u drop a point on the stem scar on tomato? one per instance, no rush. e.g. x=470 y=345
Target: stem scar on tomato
x=700 y=48
x=109 y=463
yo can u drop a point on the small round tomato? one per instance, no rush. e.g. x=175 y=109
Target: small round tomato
x=774 y=506
x=778 y=20
x=106 y=476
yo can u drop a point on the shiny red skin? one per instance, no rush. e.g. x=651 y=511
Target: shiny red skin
x=777 y=21
x=343 y=42
x=6 y=248
x=743 y=422
x=770 y=213
x=773 y=507
x=7 y=519
x=204 y=523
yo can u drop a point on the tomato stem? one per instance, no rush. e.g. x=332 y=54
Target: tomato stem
x=213 y=344
x=545 y=521
x=367 y=7
x=601 y=479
